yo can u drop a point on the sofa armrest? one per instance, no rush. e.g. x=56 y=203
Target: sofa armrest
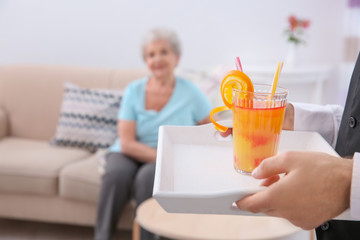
x=3 y=123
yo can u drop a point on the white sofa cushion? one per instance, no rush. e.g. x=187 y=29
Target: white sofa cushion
x=30 y=166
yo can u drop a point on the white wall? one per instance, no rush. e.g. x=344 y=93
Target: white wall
x=108 y=33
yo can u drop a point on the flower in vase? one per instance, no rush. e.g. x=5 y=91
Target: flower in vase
x=296 y=30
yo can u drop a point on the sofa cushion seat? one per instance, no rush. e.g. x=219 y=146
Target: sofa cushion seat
x=81 y=180
x=33 y=166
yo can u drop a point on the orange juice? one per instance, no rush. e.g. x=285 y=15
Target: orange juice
x=256 y=134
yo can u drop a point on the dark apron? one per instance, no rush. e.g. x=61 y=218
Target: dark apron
x=347 y=144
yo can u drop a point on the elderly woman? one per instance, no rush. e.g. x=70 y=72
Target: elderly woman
x=160 y=99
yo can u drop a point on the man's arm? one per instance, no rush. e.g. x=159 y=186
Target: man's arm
x=322 y=119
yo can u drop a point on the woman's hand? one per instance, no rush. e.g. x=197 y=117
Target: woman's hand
x=129 y=144
x=315 y=188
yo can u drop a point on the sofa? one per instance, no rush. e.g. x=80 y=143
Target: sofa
x=40 y=181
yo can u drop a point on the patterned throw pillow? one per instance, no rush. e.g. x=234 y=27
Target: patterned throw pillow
x=88 y=118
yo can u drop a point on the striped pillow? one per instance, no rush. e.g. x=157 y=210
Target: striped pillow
x=88 y=118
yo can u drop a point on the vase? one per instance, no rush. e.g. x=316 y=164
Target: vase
x=291 y=56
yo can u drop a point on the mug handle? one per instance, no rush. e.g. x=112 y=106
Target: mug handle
x=218 y=126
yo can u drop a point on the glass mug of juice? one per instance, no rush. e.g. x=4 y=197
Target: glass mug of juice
x=258 y=115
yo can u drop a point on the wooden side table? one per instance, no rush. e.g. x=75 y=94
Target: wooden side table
x=153 y=218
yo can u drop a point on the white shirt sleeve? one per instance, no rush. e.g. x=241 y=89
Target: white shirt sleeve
x=355 y=188
x=326 y=120
x=322 y=119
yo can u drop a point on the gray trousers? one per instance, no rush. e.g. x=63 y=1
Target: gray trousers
x=124 y=178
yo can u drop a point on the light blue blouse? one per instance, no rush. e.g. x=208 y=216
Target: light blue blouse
x=186 y=106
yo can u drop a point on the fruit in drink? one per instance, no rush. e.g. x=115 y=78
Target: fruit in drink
x=256 y=133
x=234 y=79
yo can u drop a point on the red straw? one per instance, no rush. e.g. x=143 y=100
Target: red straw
x=238 y=64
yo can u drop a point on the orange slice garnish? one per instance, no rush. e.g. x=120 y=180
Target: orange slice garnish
x=234 y=79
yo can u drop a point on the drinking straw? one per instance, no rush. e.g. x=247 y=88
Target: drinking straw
x=238 y=64
x=276 y=77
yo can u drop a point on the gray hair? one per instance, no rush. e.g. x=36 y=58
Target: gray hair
x=165 y=34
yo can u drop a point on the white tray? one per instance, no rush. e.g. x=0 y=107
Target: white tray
x=195 y=174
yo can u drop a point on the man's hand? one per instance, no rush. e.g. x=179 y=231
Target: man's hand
x=227 y=133
x=289 y=117
x=315 y=188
